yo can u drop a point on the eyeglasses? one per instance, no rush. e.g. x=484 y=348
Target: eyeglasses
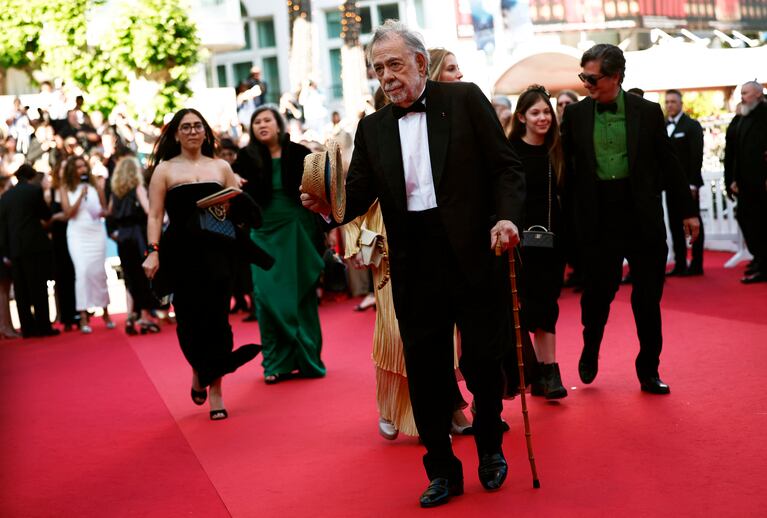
x=591 y=79
x=186 y=129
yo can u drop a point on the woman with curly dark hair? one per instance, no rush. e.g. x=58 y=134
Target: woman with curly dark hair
x=84 y=204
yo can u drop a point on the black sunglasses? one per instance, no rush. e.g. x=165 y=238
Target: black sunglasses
x=590 y=79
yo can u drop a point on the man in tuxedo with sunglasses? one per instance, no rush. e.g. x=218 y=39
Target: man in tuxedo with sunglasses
x=618 y=159
x=450 y=186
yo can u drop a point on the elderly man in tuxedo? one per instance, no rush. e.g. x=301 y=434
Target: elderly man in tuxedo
x=746 y=175
x=450 y=186
x=618 y=158
x=686 y=136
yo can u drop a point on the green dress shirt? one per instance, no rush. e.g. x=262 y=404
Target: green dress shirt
x=610 y=144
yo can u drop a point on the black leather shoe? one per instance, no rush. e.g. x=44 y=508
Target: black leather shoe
x=492 y=470
x=751 y=268
x=754 y=278
x=439 y=492
x=677 y=271
x=654 y=385
x=588 y=366
x=694 y=271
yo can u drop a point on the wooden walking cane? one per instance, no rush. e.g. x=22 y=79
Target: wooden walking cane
x=520 y=361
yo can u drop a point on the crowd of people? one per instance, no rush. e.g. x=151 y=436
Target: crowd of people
x=437 y=178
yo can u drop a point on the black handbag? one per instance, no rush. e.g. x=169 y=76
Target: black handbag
x=538 y=236
x=213 y=219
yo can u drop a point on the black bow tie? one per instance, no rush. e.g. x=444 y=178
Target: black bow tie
x=608 y=107
x=417 y=106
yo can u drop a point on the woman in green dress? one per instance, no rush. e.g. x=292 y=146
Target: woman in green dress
x=286 y=295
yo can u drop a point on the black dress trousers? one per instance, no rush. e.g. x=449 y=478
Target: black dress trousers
x=438 y=297
x=603 y=268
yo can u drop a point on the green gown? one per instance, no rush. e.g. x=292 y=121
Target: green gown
x=286 y=295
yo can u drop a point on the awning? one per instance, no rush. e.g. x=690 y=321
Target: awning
x=689 y=66
x=680 y=66
x=554 y=66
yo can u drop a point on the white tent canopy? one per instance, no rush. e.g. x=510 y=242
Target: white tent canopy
x=552 y=65
x=692 y=67
x=680 y=66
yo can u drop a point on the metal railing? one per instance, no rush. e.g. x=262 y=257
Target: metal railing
x=717 y=214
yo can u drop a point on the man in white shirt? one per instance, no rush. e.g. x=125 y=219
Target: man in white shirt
x=450 y=186
x=686 y=136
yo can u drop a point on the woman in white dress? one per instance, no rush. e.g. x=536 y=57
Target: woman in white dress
x=84 y=203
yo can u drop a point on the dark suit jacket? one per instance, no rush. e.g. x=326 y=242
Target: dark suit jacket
x=687 y=140
x=254 y=163
x=478 y=178
x=748 y=148
x=653 y=166
x=21 y=233
x=729 y=152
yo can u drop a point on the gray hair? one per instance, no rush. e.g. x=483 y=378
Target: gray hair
x=391 y=28
x=754 y=84
x=503 y=100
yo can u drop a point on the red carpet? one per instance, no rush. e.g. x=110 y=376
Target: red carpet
x=103 y=426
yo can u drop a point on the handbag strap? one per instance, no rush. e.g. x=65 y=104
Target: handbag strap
x=548 y=228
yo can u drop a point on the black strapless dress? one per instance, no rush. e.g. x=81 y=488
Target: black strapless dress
x=197 y=267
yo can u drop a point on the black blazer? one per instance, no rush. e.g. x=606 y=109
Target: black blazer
x=687 y=139
x=478 y=178
x=254 y=163
x=653 y=166
x=748 y=149
x=21 y=211
x=729 y=152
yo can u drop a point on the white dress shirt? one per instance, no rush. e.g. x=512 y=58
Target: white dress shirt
x=672 y=122
x=416 y=161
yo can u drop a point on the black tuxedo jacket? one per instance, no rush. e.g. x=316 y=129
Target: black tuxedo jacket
x=21 y=233
x=687 y=139
x=653 y=166
x=478 y=178
x=746 y=150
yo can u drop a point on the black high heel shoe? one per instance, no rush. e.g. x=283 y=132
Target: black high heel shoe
x=147 y=326
x=218 y=415
x=199 y=397
x=130 y=327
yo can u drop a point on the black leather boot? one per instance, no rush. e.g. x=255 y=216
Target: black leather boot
x=536 y=387
x=552 y=382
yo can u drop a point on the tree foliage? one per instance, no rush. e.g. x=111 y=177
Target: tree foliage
x=146 y=39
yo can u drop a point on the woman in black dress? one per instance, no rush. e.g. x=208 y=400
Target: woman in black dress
x=196 y=265
x=128 y=208
x=535 y=137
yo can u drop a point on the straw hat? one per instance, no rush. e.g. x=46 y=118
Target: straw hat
x=324 y=177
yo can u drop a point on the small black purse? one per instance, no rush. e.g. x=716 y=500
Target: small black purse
x=213 y=219
x=538 y=236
